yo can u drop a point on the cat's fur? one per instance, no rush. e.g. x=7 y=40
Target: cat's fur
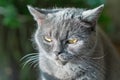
x=92 y=58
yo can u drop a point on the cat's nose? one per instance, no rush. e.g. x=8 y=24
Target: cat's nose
x=57 y=48
x=57 y=52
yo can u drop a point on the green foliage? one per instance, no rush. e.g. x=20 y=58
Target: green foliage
x=11 y=17
x=106 y=23
x=95 y=2
x=3 y=2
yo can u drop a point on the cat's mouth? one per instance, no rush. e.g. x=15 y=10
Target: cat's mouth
x=59 y=62
x=63 y=59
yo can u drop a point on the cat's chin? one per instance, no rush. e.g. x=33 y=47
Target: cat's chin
x=60 y=63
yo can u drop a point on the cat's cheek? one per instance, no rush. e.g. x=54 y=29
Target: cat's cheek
x=47 y=46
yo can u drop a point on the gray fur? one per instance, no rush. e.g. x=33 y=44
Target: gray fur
x=91 y=58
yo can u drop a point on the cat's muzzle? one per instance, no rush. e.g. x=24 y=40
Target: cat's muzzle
x=63 y=58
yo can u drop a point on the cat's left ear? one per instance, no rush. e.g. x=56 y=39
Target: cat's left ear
x=93 y=14
x=38 y=16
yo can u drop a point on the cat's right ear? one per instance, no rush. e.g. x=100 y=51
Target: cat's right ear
x=38 y=16
x=93 y=14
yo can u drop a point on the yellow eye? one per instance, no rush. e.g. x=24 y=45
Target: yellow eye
x=72 y=41
x=48 y=39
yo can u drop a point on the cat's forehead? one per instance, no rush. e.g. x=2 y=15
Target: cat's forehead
x=66 y=13
x=65 y=28
x=64 y=21
x=64 y=18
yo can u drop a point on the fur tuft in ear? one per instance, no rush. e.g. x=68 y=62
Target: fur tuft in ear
x=93 y=14
x=38 y=16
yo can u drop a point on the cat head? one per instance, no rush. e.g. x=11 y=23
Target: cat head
x=65 y=34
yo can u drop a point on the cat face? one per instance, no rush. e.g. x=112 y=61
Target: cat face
x=64 y=35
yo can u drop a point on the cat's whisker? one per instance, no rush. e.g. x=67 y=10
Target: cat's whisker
x=30 y=59
x=35 y=65
x=26 y=62
x=30 y=62
x=28 y=55
x=101 y=57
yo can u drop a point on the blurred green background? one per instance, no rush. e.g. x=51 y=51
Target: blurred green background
x=17 y=27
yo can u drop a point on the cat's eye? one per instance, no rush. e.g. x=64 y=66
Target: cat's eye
x=72 y=41
x=48 y=39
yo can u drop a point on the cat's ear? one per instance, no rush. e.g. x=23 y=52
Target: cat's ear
x=93 y=14
x=38 y=16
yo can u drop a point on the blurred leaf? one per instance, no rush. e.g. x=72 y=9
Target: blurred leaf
x=95 y=2
x=31 y=1
x=104 y=19
x=11 y=22
x=3 y=2
x=10 y=17
x=106 y=23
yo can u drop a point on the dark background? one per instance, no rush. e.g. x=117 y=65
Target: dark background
x=17 y=26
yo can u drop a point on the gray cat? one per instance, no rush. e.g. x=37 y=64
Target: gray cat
x=72 y=47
